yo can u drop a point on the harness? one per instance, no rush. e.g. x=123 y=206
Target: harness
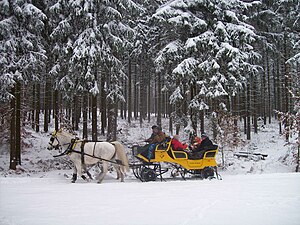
x=71 y=148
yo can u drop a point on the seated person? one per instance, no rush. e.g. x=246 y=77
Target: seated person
x=200 y=149
x=157 y=137
x=196 y=143
x=204 y=144
x=177 y=145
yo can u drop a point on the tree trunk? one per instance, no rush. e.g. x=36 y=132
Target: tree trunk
x=13 y=153
x=286 y=85
x=85 y=116
x=123 y=103
x=74 y=106
x=202 y=121
x=112 y=122
x=94 y=118
x=47 y=104
x=37 y=107
x=149 y=100
x=129 y=98
x=143 y=92
x=103 y=105
x=193 y=112
x=56 y=110
x=235 y=114
x=278 y=91
x=298 y=163
x=136 y=98
x=170 y=120
x=33 y=107
x=263 y=88
x=159 y=102
x=255 y=104
x=269 y=91
x=248 y=114
x=18 y=122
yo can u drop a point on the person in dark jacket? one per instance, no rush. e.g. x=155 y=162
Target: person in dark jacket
x=205 y=143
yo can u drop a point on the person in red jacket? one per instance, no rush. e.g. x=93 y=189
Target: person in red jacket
x=177 y=145
x=196 y=143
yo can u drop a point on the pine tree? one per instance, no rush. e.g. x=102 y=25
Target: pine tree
x=90 y=37
x=212 y=47
x=23 y=57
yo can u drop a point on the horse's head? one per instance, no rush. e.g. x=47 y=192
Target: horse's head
x=54 y=142
x=59 y=139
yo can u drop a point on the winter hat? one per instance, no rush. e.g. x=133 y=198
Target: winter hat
x=197 y=139
x=204 y=135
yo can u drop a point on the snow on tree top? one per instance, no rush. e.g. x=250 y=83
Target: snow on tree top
x=187 y=66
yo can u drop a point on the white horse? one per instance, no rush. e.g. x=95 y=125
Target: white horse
x=92 y=154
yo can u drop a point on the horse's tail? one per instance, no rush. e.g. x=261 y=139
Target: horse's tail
x=121 y=155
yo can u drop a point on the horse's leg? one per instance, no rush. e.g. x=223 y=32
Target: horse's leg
x=85 y=170
x=89 y=174
x=120 y=174
x=87 y=179
x=78 y=166
x=74 y=177
x=117 y=168
x=103 y=173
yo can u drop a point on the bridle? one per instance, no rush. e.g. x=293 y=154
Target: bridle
x=53 y=138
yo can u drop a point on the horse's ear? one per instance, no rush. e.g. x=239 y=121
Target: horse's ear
x=60 y=130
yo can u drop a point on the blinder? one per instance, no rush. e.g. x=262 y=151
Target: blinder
x=52 y=138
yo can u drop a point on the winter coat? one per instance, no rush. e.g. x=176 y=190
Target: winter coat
x=204 y=143
x=157 y=137
x=177 y=145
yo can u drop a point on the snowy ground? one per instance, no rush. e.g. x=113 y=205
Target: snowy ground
x=236 y=200
x=251 y=192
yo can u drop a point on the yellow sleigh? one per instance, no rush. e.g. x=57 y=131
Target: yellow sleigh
x=201 y=164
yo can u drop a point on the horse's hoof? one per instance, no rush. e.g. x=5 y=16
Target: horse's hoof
x=73 y=181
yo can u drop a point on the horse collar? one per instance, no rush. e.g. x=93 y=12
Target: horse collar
x=71 y=146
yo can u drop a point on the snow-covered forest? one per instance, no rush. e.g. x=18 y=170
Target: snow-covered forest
x=111 y=69
x=221 y=67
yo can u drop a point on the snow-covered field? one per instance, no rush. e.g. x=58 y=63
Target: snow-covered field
x=236 y=200
x=251 y=192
